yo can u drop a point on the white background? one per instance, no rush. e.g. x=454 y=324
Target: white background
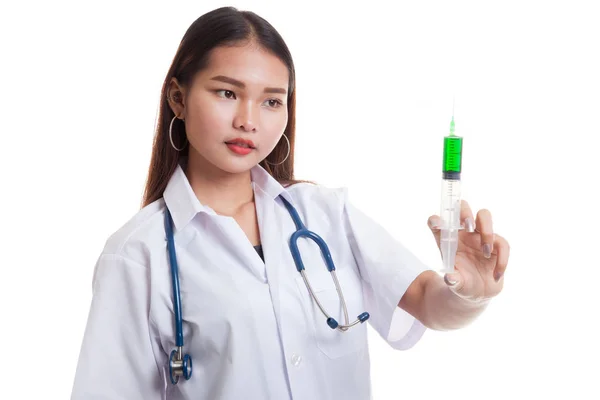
x=376 y=81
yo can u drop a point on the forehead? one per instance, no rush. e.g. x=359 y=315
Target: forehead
x=249 y=63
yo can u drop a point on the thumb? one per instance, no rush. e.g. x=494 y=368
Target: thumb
x=454 y=281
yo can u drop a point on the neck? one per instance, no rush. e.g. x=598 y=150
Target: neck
x=222 y=191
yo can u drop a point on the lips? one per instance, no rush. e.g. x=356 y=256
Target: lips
x=241 y=142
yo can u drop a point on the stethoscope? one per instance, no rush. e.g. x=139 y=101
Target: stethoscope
x=180 y=364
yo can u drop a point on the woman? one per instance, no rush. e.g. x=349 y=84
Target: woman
x=221 y=180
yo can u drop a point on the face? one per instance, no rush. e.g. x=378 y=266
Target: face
x=235 y=110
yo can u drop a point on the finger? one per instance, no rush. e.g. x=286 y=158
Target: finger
x=485 y=228
x=502 y=250
x=466 y=216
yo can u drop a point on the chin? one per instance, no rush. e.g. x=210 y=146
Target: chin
x=228 y=163
x=238 y=166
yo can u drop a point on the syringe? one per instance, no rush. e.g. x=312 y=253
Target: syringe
x=451 y=198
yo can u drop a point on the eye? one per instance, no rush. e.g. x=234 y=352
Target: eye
x=227 y=94
x=274 y=103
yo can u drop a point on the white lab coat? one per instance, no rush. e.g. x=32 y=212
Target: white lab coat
x=250 y=326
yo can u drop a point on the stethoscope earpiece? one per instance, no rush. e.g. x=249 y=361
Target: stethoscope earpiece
x=303 y=232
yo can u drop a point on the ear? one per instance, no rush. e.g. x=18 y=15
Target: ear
x=175 y=98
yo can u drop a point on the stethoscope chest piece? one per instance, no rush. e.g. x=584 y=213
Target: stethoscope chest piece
x=179 y=366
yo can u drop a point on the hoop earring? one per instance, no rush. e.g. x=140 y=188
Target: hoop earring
x=171 y=135
x=286 y=156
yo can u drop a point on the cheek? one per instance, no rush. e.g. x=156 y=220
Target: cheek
x=209 y=119
x=273 y=126
x=275 y=123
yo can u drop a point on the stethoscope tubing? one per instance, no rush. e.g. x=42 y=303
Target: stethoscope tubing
x=174 y=280
x=180 y=364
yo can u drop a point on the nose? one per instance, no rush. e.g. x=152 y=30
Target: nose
x=246 y=118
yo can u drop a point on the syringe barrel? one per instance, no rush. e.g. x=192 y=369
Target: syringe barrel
x=450 y=214
x=450 y=204
x=452 y=162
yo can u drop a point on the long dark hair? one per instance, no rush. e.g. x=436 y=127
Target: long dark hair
x=224 y=26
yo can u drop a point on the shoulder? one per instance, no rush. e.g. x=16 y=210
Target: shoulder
x=316 y=197
x=137 y=236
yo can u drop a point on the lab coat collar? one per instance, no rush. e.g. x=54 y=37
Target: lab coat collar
x=269 y=185
x=183 y=204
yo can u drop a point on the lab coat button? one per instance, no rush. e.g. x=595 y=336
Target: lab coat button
x=296 y=360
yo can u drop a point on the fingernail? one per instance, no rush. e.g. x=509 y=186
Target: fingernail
x=487 y=250
x=498 y=276
x=449 y=281
x=470 y=225
x=433 y=225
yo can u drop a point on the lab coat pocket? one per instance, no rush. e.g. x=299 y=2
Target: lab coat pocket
x=333 y=342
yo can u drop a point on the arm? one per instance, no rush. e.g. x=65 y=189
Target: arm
x=117 y=360
x=387 y=269
x=431 y=301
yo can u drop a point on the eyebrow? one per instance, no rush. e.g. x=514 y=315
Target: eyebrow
x=239 y=84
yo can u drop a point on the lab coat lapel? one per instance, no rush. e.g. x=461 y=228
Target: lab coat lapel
x=271 y=237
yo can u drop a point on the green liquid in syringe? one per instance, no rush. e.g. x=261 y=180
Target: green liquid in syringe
x=452 y=154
